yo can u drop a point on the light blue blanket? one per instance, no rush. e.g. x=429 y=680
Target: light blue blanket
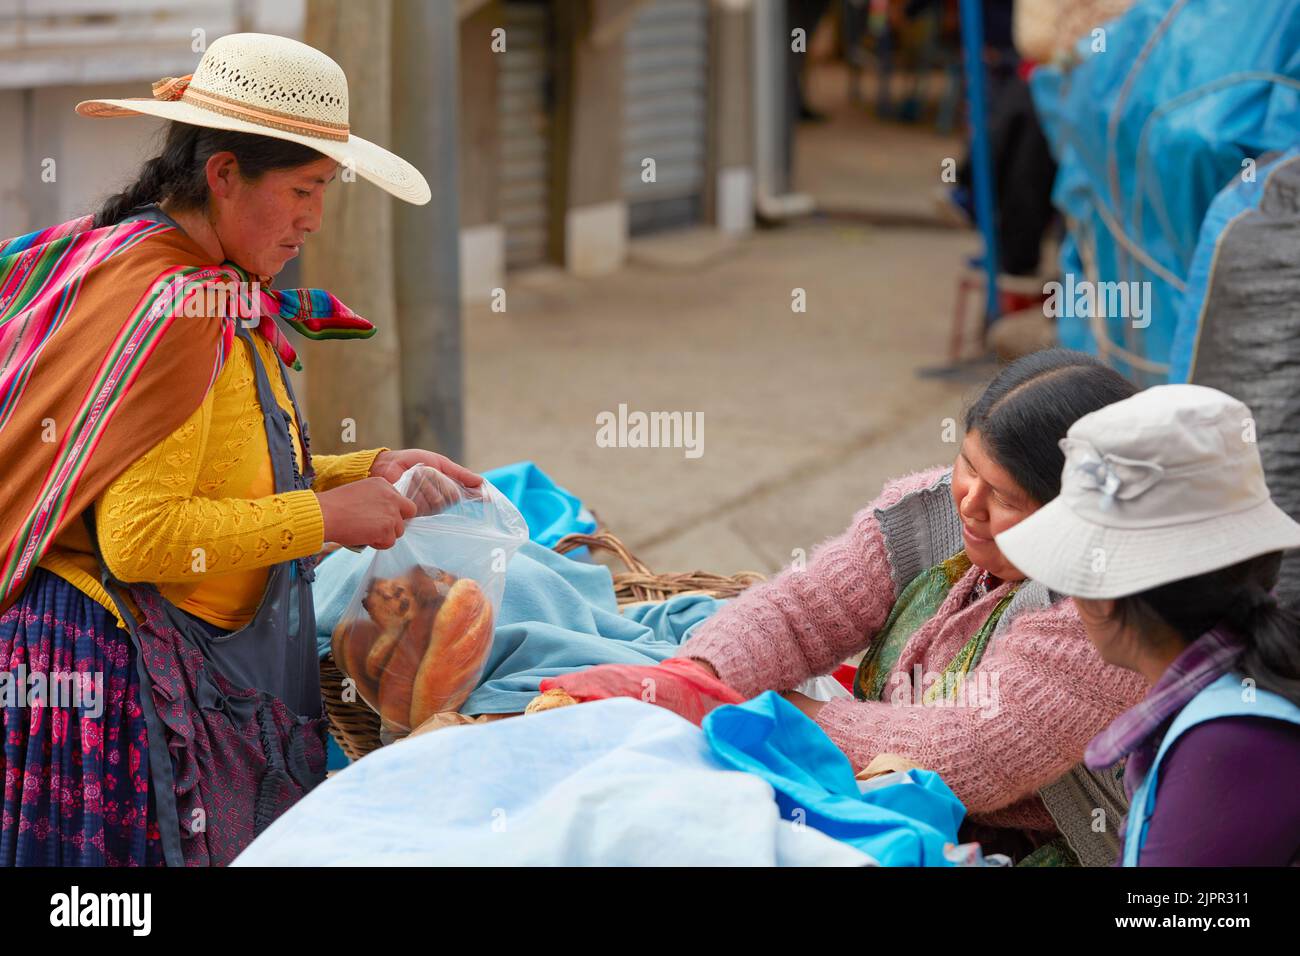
x=610 y=783
x=558 y=615
x=616 y=782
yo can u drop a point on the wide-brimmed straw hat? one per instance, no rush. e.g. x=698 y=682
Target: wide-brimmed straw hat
x=277 y=87
x=1162 y=486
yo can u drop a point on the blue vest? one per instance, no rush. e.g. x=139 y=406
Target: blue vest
x=1220 y=699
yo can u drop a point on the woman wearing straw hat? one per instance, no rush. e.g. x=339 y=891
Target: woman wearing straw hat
x=1165 y=534
x=159 y=691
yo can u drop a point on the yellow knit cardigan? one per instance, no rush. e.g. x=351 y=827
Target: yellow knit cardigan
x=198 y=515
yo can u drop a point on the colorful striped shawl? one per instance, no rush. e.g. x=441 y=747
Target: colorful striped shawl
x=109 y=340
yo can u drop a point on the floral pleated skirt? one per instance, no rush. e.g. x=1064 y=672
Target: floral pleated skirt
x=75 y=761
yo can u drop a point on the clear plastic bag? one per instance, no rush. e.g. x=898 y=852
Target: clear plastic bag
x=418 y=630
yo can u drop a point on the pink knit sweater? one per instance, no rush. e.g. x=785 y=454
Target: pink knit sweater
x=1039 y=694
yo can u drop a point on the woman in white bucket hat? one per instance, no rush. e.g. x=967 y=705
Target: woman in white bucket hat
x=162 y=508
x=1165 y=535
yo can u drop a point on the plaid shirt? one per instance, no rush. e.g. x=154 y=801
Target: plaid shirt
x=1138 y=731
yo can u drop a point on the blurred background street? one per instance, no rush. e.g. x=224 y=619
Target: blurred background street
x=805 y=414
x=631 y=200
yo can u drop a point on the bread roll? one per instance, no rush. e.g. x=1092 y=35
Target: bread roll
x=389 y=603
x=459 y=643
x=429 y=588
x=398 y=678
x=422 y=646
x=391 y=606
x=394 y=602
x=549 y=700
x=351 y=644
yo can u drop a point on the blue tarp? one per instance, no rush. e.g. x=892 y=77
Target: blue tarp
x=906 y=823
x=1150 y=130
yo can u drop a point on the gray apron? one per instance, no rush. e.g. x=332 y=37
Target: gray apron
x=234 y=718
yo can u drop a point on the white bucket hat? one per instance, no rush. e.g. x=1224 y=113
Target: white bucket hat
x=1165 y=485
x=277 y=87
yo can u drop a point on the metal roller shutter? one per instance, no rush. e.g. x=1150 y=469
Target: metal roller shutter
x=665 y=113
x=524 y=109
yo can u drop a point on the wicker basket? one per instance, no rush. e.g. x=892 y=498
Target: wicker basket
x=356 y=727
x=352 y=723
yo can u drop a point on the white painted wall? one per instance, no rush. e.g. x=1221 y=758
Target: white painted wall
x=44 y=54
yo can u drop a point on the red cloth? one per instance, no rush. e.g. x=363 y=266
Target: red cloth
x=845 y=674
x=678 y=684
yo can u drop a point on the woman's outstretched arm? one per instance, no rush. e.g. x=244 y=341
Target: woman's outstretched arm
x=1021 y=720
x=806 y=621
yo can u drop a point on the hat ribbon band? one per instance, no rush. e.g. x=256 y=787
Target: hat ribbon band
x=1116 y=477
x=172 y=88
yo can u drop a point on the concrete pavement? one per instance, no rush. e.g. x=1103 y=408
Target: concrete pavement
x=805 y=414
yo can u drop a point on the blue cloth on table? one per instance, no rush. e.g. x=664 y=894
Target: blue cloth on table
x=557 y=615
x=610 y=783
x=905 y=824
x=551 y=511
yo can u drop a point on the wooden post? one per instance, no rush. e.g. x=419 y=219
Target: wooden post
x=482 y=235
x=427 y=238
x=729 y=192
x=589 y=213
x=355 y=383
x=773 y=124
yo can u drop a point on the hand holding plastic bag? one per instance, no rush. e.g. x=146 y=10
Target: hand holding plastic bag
x=678 y=684
x=434 y=492
x=418 y=631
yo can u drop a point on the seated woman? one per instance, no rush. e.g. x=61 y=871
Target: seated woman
x=1165 y=534
x=970 y=669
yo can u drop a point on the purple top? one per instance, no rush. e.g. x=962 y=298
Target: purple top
x=1227 y=789
x=1227 y=796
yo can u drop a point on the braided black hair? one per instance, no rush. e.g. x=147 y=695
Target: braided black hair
x=178 y=174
